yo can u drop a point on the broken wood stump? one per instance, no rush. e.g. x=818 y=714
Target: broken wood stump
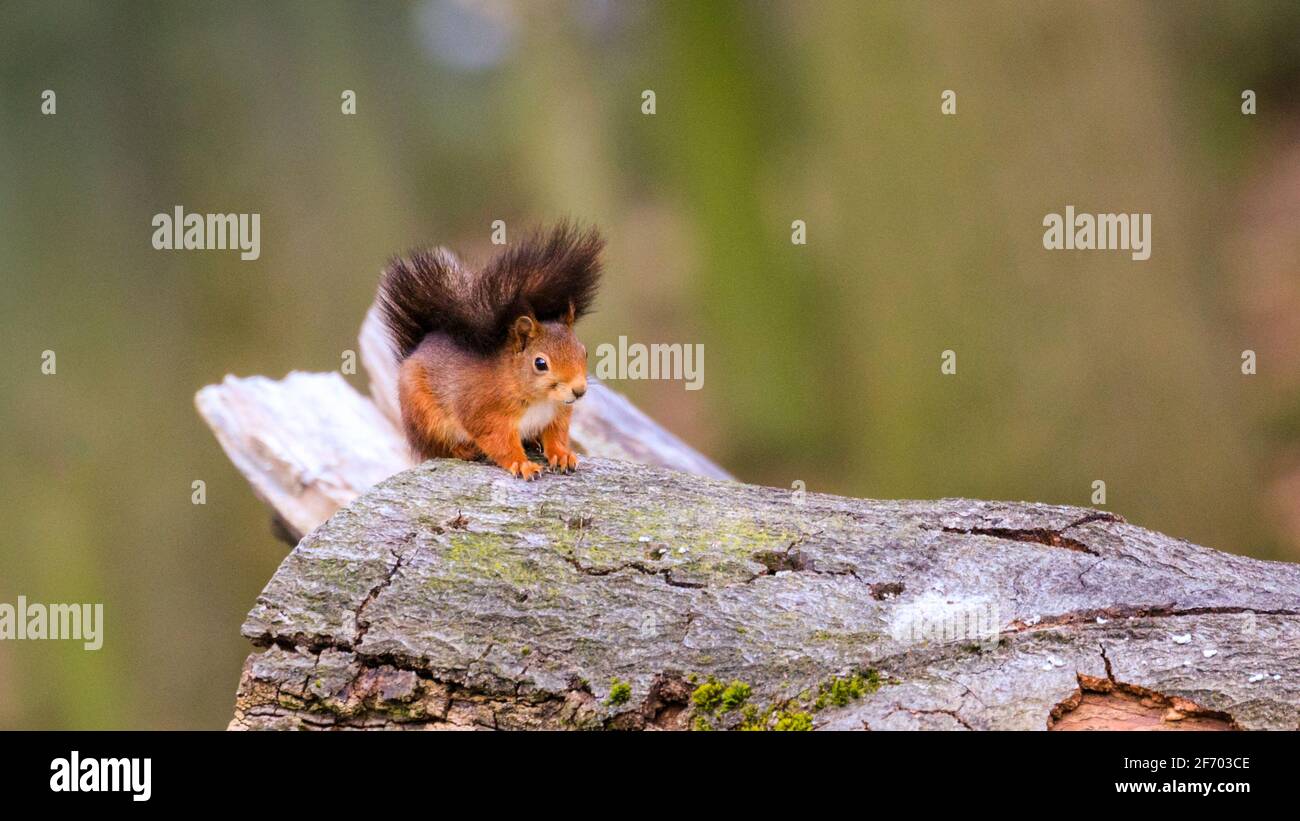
x=452 y=596
x=645 y=591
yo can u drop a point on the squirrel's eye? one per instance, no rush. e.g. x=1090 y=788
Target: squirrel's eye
x=540 y=364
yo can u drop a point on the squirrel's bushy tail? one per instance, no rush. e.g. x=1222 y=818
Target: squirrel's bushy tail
x=545 y=275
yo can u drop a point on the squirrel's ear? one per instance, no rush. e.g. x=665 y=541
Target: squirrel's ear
x=523 y=331
x=571 y=314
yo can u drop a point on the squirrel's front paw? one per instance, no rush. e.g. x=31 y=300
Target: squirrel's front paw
x=562 y=460
x=528 y=471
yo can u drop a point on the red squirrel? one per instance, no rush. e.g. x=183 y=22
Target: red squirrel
x=489 y=359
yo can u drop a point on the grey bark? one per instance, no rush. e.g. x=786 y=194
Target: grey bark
x=451 y=596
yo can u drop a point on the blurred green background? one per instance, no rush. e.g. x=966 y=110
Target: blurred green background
x=822 y=361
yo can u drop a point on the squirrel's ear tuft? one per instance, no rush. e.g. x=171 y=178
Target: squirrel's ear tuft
x=571 y=315
x=524 y=330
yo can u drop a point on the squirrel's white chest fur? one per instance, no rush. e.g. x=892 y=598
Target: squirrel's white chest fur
x=536 y=417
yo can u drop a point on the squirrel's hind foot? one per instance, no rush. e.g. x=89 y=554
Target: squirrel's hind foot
x=526 y=470
x=562 y=461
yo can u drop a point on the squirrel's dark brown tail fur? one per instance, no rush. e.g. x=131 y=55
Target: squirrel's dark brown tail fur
x=545 y=275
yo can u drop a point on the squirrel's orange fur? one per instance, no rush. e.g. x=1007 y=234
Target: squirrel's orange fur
x=470 y=388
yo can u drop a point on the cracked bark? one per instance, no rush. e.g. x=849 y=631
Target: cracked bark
x=524 y=613
x=450 y=596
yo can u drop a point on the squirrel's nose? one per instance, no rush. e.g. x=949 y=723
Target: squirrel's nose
x=578 y=392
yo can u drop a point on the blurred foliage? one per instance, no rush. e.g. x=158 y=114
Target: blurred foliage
x=822 y=361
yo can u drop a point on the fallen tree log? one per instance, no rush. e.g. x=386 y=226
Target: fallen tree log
x=451 y=596
x=645 y=592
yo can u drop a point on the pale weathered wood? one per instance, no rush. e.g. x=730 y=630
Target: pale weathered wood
x=308 y=443
x=451 y=596
x=381 y=364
